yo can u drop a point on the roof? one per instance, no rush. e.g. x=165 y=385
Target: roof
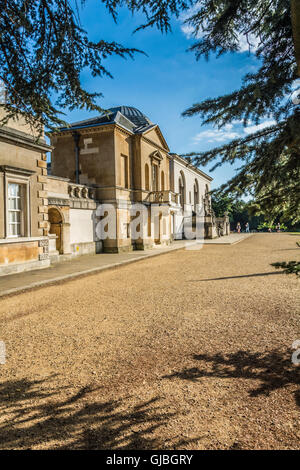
x=191 y=166
x=132 y=119
x=134 y=115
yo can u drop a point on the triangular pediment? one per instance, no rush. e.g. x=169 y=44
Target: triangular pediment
x=156 y=155
x=154 y=135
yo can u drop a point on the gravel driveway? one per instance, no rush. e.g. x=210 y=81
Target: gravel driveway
x=189 y=350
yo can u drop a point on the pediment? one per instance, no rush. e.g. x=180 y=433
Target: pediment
x=155 y=136
x=156 y=155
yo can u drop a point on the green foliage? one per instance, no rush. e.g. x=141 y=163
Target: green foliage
x=270 y=169
x=265 y=226
x=157 y=13
x=238 y=210
x=43 y=50
x=221 y=204
x=290 y=267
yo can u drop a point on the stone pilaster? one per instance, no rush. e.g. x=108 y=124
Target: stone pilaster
x=42 y=195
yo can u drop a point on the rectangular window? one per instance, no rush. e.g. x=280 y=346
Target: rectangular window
x=17 y=201
x=124 y=171
x=15 y=210
x=154 y=177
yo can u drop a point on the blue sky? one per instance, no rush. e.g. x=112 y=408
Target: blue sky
x=164 y=83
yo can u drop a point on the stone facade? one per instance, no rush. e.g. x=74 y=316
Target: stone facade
x=23 y=198
x=192 y=185
x=118 y=161
x=126 y=162
x=71 y=211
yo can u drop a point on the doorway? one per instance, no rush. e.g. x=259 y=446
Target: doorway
x=56 y=221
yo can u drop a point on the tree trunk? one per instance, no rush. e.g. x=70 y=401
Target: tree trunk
x=295 y=17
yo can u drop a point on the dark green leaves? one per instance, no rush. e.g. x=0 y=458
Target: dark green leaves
x=290 y=267
x=43 y=50
x=270 y=158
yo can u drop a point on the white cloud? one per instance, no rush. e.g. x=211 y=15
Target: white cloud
x=296 y=84
x=187 y=30
x=230 y=132
x=216 y=135
x=245 y=44
x=259 y=127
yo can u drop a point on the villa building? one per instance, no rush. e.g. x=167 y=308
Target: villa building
x=115 y=167
x=125 y=158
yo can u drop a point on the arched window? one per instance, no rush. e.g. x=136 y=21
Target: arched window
x=181 y=184
x=147 y=177
x=196 y=195
x=56 y=226
x=162 y=176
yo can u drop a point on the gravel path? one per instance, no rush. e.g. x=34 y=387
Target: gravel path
x=190 y=350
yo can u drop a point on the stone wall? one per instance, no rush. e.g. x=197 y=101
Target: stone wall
x=191 y=176
x=20 y=125
x=96 y=156
x=105 y=152
x=23 y=161
x=23 y=255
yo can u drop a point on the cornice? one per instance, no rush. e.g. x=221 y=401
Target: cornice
x=154 y=144
x=83 y=131
x=16 y=170
x=122 y=130
x=190 y=166
x=17 y=138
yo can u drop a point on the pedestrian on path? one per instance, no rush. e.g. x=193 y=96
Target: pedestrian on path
x=238 y=227
x=247 y=227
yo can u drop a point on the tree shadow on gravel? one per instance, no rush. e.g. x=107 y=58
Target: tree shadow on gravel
x=34 y=415
x=272 y=273
x=273 y=369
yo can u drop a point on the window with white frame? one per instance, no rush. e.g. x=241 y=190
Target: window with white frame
x=15 y=209
x=17 y=201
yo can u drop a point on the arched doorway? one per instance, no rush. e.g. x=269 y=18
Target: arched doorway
x=56 y=221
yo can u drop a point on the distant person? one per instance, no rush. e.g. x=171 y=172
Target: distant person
x=238 y=227
x=278 y=228
x=247 y=228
